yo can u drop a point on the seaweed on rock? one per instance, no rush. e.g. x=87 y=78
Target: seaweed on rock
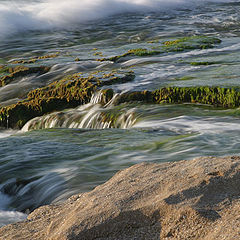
x=35 y=59
x=69 y=92
x=75 y=90
x=177 y=45
x=216 y=96
x=132 y=52
x=189 y=43
x=203 y=63
x=11 y=73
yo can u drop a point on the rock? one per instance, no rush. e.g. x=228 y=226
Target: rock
x=69 y=92
x=197 y=199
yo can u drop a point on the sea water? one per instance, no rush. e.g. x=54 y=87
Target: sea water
x=73 y=151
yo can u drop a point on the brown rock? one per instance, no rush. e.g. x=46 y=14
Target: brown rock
x=197 y=199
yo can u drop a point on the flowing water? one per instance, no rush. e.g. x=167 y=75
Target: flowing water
x=74 y=150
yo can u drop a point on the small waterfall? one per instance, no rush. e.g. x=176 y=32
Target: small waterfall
x=26 y=194
x=91 y=116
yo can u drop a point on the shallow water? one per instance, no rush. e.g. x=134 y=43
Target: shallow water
x=73 y=151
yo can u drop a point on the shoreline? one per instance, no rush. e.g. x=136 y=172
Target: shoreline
x=190 y=199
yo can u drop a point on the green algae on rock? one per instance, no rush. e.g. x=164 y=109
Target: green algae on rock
x=203 y=63
x=11 y=73
x=178 y=45
x=35 y=59
x=189 y=43
x=216 y=96
x=131 y=52
x=107 y=80
x=3 y=69
x=71 y=91
x=54 y=97
x=184 y=78
x=75 y=90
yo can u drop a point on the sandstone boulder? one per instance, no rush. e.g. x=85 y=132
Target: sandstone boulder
x=197 y=199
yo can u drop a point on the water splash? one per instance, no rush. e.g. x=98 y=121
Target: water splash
x=18 y=16
x=25 y=195
x=98 y=114
x=7 y=217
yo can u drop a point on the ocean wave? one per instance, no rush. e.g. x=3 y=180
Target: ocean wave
x=18 y=16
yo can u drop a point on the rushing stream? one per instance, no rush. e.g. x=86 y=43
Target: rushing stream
x=72 y=151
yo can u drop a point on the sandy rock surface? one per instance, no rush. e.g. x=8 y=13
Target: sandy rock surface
x=197 y=199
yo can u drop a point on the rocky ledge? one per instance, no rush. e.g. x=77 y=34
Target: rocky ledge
x=197 y=199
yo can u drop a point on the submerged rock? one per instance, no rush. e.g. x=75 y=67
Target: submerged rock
x=35 y=59
x=76 y=90
x=216 y=96
x=192 y=42
x=11 y=73
x=177 y=45
x=197 y=199
x=71 y=91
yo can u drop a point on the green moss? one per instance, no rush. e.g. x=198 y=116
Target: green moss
x=216 y=96
x=69 y=92
x=19 y=71
x=153 y=41
x=143 y=96
x=142 y=52
x=185 y=78
x=202 y=63
x=192 y=42
x=132 y=52
x=98 y=54
x=108 y=95
x=4 y=69
x=113 y=59
x=117 y=79
x=33 y=60
x=75 y=90
x=181 y=44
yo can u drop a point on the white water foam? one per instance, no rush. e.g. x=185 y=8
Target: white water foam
x=17 y=16
x=189 y=124
x=7 y=133
x=7 y=217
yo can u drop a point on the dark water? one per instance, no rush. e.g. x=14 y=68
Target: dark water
x=50 y=164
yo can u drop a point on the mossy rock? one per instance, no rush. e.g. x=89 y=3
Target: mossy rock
x=216 y=96
x=190 y=43
x=203 y=63
x=35 y=59
x=11 y=73
x=71 y=91
x=71 y=94
x=132 y=52
x=177 y=45
x=143 y=96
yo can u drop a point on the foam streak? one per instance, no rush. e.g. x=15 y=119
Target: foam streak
x=18 y=16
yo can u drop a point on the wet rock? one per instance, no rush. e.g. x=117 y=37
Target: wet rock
x=70 y=92
x=20 y=71
x=177 y=45
x=197 y=199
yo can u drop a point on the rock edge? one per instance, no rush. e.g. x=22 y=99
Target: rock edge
x=196 y=199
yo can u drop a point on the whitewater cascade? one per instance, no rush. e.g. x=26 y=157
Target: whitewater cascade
x=93 y=115
x=19 y=16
